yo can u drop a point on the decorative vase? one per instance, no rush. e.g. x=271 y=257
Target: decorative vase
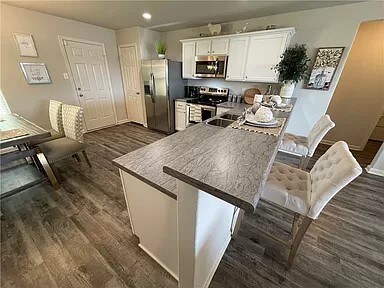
x=161 y=56
x=286 y=90
x=320 y=80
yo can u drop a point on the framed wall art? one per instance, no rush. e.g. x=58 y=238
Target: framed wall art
x=25 y=44
x=324 y=68
x=35 y=73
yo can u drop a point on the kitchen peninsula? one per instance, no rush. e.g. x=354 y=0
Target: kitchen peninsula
x=185 y=192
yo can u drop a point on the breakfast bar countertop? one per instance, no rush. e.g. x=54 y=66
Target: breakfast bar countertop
x=231 y=164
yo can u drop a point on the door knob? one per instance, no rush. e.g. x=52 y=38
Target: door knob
x=79 y=89
x=137 y=93
x=80 y=95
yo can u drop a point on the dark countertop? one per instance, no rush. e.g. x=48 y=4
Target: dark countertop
x=221 y=161
x=147 y=162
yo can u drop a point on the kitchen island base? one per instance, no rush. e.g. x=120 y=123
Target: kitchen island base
x=188 y=236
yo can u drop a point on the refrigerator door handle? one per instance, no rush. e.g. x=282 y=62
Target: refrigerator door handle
x=153 y=88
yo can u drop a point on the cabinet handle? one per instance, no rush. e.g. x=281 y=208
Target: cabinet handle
x=246 y=77
x=213 y=51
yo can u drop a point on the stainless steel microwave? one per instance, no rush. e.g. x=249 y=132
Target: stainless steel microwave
x=213 y=66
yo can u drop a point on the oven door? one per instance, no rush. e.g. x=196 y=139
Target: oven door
x=207 y=112
x=211 y=66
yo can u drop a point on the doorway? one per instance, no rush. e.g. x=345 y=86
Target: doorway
x=88 y=68
x=132 y=83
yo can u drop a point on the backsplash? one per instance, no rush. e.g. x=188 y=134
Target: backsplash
x=235 y=87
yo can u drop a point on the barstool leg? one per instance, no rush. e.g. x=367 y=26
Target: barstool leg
x=304 y=160
x=86 y=158
x=297 y=240
x=295 y=224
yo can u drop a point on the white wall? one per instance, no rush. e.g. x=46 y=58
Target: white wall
x=31 y=101
x=325 y=27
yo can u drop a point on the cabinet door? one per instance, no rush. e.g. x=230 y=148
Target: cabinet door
x=236 y=58
x=180 y=120
x=263 y=54
x=203 y=47
x=189 y=60
x=219 y=46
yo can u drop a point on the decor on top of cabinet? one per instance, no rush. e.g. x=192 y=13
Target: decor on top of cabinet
x=325 y=66
x=161 y=48
x=292 y=68
x=214 y=29
x=242 y=30
x=25 y=44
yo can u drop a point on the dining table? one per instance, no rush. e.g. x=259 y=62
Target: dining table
x=16 y=134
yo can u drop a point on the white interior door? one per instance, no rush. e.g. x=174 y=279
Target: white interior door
x=90 y=75
x=131 y=78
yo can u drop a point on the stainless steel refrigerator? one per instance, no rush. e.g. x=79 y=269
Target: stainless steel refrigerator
x=162 y=84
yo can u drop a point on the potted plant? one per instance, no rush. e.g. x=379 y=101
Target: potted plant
x=161 y=48
x=292 y=68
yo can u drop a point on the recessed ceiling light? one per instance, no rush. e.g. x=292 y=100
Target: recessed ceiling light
x=147 y=16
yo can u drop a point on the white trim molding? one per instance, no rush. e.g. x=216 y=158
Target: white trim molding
x=377 y=165
x=352 y=147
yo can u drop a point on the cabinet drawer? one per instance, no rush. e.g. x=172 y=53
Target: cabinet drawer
x=180 y=104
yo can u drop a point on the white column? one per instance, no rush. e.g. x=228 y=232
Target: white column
x=204 y=229
x=377 y=165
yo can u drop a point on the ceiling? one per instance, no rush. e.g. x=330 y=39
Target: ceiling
x=167 y=15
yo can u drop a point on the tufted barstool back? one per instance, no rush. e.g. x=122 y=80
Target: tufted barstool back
x=322 y=126
x=55 y=116
x=331 y=172
x=73 y=122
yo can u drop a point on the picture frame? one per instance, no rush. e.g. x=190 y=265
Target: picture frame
x=25 y=44
x=35 y=73
x=324 y=68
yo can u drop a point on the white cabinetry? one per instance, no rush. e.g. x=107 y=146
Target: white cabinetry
x=263 y=54
x=189 y=59
x=180 y=115
x=212 y=47
x=237 y=54
x=251 y=56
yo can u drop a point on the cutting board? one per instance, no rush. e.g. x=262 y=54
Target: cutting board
x=249 y=94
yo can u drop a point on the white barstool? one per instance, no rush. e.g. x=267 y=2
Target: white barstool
x=307 y=193
x=305 y=146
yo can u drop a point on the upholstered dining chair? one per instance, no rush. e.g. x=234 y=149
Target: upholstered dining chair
x=307 y=193
x=71 y=144
x=305 y=146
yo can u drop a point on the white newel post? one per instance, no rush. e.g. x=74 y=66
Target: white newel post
x=204 y=232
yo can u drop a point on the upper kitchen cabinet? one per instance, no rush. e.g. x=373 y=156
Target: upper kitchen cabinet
x=189 y=51
x=251 y=56
x=237 y=54
x=212 y=47
x=264 y=52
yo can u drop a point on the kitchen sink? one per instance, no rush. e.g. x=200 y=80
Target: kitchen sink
x=220 y=122
x=230 y=116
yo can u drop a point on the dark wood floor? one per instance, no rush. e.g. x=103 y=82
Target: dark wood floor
x=80 y=236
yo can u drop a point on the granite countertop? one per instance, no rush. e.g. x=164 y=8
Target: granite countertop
x=183 y=99
x=224 y=162
x=233 y=105
x=147 y=162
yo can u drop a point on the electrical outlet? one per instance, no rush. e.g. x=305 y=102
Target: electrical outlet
x=65 y=75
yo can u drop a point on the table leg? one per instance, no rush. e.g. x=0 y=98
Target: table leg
x=48 y=170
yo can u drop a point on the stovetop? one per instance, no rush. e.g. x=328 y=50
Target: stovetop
x=208 y=100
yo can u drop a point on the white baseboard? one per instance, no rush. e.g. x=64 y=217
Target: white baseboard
x=160 y=263
x=352 y=147
x=217 y=262
x=122 y=121
x=374 y=171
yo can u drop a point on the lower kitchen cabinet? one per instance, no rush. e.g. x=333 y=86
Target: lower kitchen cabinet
x=222 y=110
x=180 y=115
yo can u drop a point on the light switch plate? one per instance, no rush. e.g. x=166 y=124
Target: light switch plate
x=65 y=75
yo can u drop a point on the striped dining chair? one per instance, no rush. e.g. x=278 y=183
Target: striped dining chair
x=71 y=144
